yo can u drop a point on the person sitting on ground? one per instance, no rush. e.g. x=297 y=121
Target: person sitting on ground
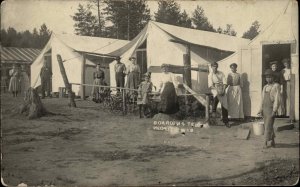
x=269 y=107
x=143 y=96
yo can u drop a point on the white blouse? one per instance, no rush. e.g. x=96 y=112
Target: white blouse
x=286 y=74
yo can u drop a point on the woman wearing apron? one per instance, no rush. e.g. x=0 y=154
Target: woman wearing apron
x=286 y=72
x=269 y=107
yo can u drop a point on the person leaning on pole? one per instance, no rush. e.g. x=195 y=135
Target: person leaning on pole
x=120 y=70
x=217 y=83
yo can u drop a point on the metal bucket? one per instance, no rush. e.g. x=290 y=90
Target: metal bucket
x=258 y=128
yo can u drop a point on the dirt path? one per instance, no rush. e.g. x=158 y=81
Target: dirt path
x=87 y=146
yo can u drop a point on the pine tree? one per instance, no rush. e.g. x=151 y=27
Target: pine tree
x=253 y=31
x=185 y=20
x=86 y=24
x=128 y=18
x=201 y=21
x=44 y=35
x=229 y=30
x=168 y=12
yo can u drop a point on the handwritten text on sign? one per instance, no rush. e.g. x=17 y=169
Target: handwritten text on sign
x=176 y=126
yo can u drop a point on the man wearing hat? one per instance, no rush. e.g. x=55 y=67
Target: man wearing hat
x=217 y=83
x=269 y=106
x=133 y=74
x=120 y=70
x=98 y=76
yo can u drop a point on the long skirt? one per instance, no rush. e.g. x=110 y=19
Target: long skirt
x=281 y=107
x=287 y=96
x=95 y=89
x=168 y=103
x=24 y=83
x=132 y=81
x=235 y=102
x=14 y=84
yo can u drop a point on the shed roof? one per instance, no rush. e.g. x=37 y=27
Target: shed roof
x=18 y=55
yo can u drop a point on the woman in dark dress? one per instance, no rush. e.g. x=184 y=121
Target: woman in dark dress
x=278 y=78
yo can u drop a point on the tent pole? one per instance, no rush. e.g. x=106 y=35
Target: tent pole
x=187 y=73
x=83 y=77
x=66 y=81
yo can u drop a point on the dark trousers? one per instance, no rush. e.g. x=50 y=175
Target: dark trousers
x=224 y=110
x=120 y=80
x=45 y=87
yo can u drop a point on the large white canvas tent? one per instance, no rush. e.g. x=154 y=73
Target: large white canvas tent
x=279 y=40
x=155 y=46
x=72 y=48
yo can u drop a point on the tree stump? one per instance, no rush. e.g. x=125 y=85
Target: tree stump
x=32 y=107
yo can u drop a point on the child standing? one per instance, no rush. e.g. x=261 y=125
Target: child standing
x=143 y=95
x=269 y=106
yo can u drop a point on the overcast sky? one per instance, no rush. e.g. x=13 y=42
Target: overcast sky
x=56 y=14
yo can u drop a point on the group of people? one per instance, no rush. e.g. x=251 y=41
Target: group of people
x=226 y=90
x=19 y=81
x=275 y=95
x=133 y=77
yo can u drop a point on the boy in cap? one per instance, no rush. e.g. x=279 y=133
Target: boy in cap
x=120 y=70
x=217 y=83
x=269 y=106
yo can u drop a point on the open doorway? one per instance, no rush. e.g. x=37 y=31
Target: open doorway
x=48 y=62
x=274 y=52
x=141 y=58
x=278 y=52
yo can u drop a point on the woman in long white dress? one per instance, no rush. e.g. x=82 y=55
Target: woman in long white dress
x=286 y=72
x=168 y=103
x=24 y=81
x=234 y=94
x=14 y=83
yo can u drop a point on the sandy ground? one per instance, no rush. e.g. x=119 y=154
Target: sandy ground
x=89 y=146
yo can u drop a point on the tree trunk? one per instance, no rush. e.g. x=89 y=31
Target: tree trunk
x=99 y=18
x=32 y=106
x=66 y=81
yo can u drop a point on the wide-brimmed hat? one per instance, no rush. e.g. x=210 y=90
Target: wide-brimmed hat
x=269 y=73
x=214 y=64
x=233 y=65
x=285 y=60
x=148 y=74
x=273 y=62
x=130 y=58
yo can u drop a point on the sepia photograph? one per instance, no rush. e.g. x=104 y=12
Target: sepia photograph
x=149 y=93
